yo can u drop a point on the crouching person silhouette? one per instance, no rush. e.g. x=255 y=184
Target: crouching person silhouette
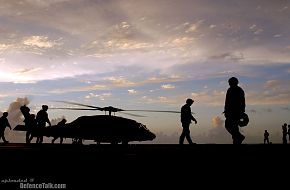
x=59 y=135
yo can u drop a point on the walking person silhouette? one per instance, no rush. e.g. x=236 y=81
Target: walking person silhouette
x=3 y=124
x=234 y=109
x=186 y=118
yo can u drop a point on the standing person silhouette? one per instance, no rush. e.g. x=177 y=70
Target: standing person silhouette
x=42 y=119
x=3 y=124
x=234 y=109
x=266 y=137
x=284 y=133
x=186 y=117
x=288 y=132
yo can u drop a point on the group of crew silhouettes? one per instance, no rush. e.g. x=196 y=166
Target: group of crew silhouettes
x=31 y=122
x=234 y=112
x=285 y=133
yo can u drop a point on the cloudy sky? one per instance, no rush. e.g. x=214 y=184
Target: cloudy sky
x=149 y=54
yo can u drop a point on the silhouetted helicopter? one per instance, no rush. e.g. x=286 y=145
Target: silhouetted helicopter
x=100 y=128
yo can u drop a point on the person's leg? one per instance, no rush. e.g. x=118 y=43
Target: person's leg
x=30 y=139
x=237 y=136
x=1 y=135
x=54 y=138
x=188 y=138
x=284 y=140
x=182 y=136
x=228 y=126
x=184 y=133
x=28 y=133
x=41 y=131
x=41 y=139
x=231 y=125
x=4 y=139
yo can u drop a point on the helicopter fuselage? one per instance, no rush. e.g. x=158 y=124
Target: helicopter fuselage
x=100 y=128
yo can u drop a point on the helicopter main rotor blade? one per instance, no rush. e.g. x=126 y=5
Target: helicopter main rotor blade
x=135 y=115
x=111 y=109
x=75 y=108
x=166 y=111
x=78 y=104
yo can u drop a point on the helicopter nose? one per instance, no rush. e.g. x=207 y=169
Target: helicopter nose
x=152 y=136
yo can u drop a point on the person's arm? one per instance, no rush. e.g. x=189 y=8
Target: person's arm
x=243 y=101
x=226 y=106
x=48 y=122
x=8 y=124
x=193 y=119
